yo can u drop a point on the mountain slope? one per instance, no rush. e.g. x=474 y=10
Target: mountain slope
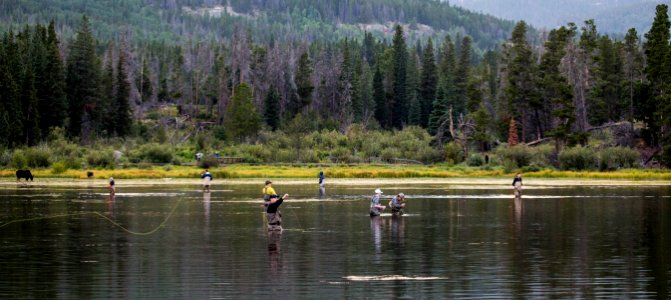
x=612 y=16
x=175 y=20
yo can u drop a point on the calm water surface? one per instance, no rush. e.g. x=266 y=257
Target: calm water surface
x=465 y=242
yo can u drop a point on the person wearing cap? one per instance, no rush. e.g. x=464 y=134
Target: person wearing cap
x=273 y=215
x=375 y=207
x=267 y=191
x=397 y=204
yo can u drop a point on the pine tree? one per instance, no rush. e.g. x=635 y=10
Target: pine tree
x=241 y=118
x=428 y=84
x=399 y=86
x=53 y=104
x=271 y=113
x=304 y=85
x=83 y=83
x=11 y=117
x=122 y=113
x=657 y=52
x=144 y=82
x=520 y=88
x=446 y=89
x=107 y=95
x=380 y=98
x=412 y=87
x=633 y=68
x=462 y=76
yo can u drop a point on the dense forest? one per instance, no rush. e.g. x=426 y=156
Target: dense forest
x=343 y=99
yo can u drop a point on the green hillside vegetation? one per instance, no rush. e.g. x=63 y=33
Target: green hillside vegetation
x=580 y=100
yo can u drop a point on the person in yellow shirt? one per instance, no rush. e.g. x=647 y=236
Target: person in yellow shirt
x=267 y=191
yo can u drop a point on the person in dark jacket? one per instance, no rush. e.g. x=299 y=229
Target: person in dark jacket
x=273 y=214
x=207 y=179
x=397 y=204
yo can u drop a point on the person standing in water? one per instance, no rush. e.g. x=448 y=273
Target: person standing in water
x=207 y=179
x=375 y=207
x=273 y=215
x=397 y=204
x=517 y=184
x=267 y=191
x=112 y=187
x=321 y=179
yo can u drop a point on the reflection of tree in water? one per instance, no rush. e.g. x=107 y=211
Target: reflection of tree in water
x=274 y=257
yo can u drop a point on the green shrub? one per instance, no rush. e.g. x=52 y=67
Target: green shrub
x=618 y=157
x=475 y=160
x=453 y=153
x=18 y=160
x=5 y=158
x=38 y=157
x=155 y=153
x=59 y=167
x=340 y=155
x=577 y=158
x=519 y=155
x=96 y=158
x=389 y=154
x=427 y=154
x=208 y=161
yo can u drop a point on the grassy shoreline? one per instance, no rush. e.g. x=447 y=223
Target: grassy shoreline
x=240 y=171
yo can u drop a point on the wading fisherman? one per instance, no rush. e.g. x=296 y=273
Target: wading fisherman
x=207 y=178
x=267 y=191
x=321 y=179
x=112 y=187
x=375 y=207
x=397 y=204
x=273 y=214
x=517 y=184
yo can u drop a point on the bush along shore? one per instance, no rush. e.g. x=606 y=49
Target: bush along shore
x=357 y=153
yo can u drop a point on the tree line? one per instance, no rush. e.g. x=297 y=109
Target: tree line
x=574 y=81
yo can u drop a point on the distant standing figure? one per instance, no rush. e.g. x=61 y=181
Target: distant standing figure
x=375 y=207
x=321 y=179
x=199 y=156
x=517 y=184
x=267 y=191
x=207 y=179
x=397 y=204
x=89 y=174
x=112 y=186
x=273 y=215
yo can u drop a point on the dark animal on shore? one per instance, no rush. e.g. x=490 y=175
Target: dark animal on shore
x=89 y=174
x=24 y=174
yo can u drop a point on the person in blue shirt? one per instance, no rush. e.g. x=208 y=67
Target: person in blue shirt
x=321 y=179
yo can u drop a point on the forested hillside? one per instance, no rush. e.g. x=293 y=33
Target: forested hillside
x=613 y=17
x=346 y=98
x=169 y=21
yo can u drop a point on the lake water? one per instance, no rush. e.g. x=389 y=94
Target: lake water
x=175 y=242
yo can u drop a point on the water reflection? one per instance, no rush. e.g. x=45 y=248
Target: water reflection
x=322 y=192
x=376 y=230
x=274 y=255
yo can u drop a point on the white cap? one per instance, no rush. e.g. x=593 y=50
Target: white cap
x=378 y=191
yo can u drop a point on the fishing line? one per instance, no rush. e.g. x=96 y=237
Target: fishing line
x=104 y=218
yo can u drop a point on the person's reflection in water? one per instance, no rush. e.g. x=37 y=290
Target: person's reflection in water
x=206 y=207
x=397 y=230
x=518 y=211
x=376 y=230
x=322 y=192
x=110 y=204
x=274 y=257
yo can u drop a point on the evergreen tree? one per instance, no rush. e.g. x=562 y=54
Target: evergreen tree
x=304 y=85
x=399 y=85
x=428 y=85
x=606 y=96
x=144 y=82
x=520 y=88
x=271 y=113
x=83 y=83
x=633 y=68
x=412 y=79
x=107 y=95
x=241 y=118
x=53 y=104
x=462 y=76
x=554 y=87
x=380 y=98
x=122 y=113
x=658 y=74
x=11 y=117
x=446 y=89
